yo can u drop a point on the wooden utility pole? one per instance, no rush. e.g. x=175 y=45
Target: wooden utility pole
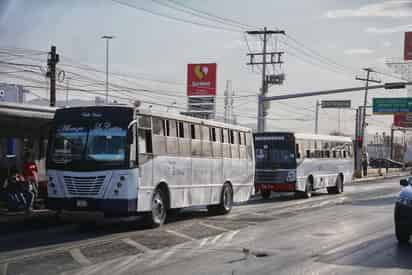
x=52 y=60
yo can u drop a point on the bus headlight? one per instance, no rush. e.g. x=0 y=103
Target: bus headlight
x=291 y=176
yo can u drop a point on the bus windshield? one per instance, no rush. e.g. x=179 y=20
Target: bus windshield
x=99 y=141
x=275 y=152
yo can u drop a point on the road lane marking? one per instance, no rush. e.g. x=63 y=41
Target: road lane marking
x=215 y=239
x=213 y=226
x=136 y=245
x=180 y=235
x=79 y=257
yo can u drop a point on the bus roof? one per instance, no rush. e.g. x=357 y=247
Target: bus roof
x=323 y=137
x=312 y=136
x=192 y=119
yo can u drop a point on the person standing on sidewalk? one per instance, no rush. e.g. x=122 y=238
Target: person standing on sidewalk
x=365 y=164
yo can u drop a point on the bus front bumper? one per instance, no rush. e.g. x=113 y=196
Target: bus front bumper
x=109 y=206
x=276 y=187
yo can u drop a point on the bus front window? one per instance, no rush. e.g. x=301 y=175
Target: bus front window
x=69 y=143
x=106 y=144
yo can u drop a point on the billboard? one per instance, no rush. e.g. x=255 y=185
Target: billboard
x=403 y=120
x=408 y=46
x=201 y=79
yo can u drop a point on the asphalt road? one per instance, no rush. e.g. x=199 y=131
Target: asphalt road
x=327 y=234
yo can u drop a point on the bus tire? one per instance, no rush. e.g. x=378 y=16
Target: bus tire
x=308 y=189
x=338 y=188
x=266 y=193
x=226 y=201
x=158 y=214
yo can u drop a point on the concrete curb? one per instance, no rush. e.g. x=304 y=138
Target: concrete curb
x=367 y=179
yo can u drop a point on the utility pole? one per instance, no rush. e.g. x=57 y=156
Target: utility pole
x=107 y=37
x=367 y=80
x=52 y=60
x=265 y=80
x=317 y=116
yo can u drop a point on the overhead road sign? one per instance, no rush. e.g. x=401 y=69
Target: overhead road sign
x=339 y=104
x=392 y=105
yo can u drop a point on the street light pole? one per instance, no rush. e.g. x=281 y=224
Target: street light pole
x=107 y=37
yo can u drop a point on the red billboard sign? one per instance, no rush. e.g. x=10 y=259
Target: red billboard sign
x=408 y=46
x=403 y=120
x=201 y=79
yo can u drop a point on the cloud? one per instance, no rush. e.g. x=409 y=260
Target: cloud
x=387 y=44
x=396 y=8
x=234 y=44
x=401 y=28
x=358 y=51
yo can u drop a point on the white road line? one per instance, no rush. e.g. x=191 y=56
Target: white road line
x=136 y=245
x=229 y=236
x=3 y=269
x=79 y=257
x=215 y=239
x=214 y=226
x=165 y=256
x=180 y=235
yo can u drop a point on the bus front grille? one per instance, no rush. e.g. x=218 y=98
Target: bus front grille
x=271 y=176
x=84 y=186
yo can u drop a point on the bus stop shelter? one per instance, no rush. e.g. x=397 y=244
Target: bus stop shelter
x=28 y=126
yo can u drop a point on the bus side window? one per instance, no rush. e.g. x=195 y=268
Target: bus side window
x=196 y=140
x=158 y=128
x=181 y=130
x=226 y=145
x=192 y=131
x=308 y=154
x=327 y=154
x=145 y=141
x=334 y=154
x=344 y=154
x=242 y=146
x=297 y=151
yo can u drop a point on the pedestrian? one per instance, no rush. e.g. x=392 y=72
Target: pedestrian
x=365 y=164
x=14 y=192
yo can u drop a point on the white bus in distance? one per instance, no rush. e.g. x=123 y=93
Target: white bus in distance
x=119 y=160
x=302 y=163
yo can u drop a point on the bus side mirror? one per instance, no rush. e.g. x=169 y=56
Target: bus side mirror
x=404 y=182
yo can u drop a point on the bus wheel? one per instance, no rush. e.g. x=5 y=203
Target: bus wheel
x=338 y=188
x=308 y=190
x=266 y=193
x=157 y=215
x=226 y=202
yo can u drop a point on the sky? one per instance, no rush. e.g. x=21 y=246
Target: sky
x=348 y=35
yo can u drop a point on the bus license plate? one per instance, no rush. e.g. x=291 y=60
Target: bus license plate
x=81 y=203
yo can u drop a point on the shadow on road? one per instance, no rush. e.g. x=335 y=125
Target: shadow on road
x=383 y=252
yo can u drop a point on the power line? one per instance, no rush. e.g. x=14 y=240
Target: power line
x=176 y=18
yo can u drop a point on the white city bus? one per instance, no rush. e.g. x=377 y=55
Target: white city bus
x=302 y=163
x=120 y=160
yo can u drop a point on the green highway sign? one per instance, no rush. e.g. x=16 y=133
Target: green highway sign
x=392 y=105
x=335 y=104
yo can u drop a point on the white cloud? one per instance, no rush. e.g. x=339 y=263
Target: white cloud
x=396 y=8
x=401 y=28
x=234 y=44
x=358 y=51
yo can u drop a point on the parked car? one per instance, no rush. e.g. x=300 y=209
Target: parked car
x=403 y=212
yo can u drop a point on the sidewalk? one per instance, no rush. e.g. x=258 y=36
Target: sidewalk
x=373 y=174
